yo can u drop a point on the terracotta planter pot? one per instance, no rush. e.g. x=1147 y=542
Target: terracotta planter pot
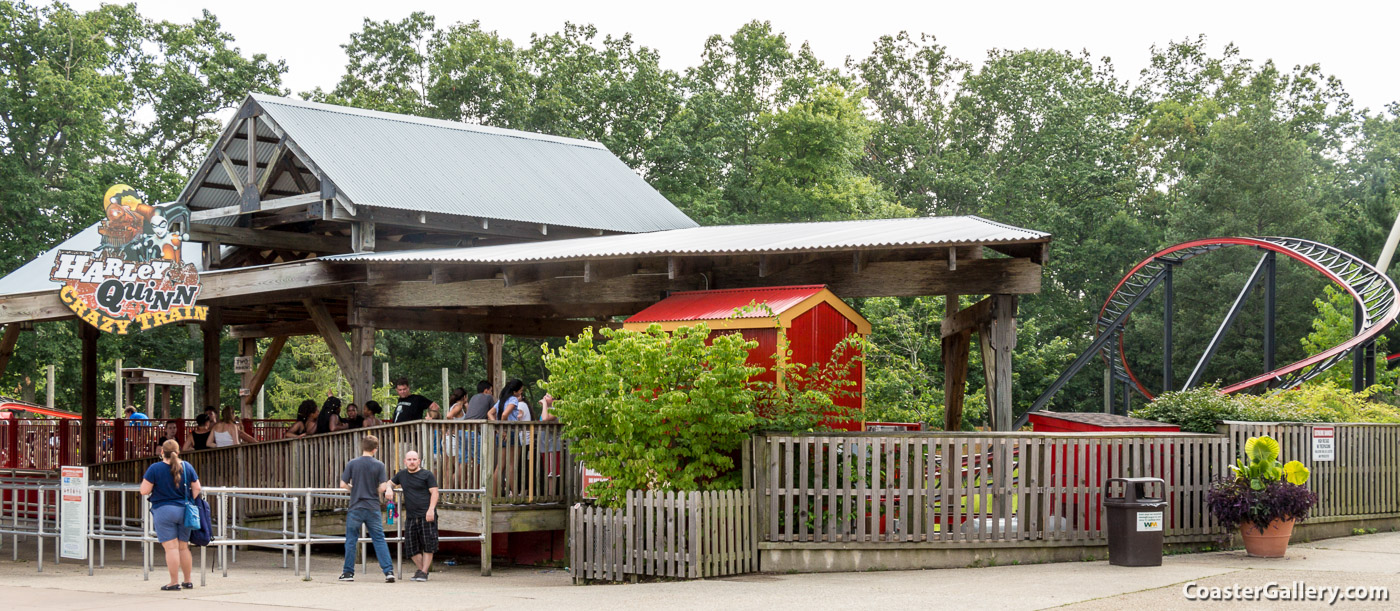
x=1272 y=543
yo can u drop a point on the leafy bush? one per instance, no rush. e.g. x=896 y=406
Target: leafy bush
x=807 y=397
x=653 y=410
x=1197 y=410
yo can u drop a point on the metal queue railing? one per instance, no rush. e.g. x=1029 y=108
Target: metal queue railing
x=29 y=508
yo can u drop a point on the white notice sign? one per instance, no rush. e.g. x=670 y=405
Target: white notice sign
x=73 y=492
x=1149 y=521
x=1324 y=443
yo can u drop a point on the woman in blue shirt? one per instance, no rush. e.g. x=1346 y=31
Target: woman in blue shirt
x=167 y=484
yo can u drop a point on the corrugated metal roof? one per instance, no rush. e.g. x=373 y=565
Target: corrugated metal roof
x=427 y=165
x=33 y=277
x=719 y=304
x=733 y=239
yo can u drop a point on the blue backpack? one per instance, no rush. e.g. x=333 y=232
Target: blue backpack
x=205 y=533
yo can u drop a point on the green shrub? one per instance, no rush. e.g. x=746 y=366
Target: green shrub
x=1197 y=410
x=653 y=410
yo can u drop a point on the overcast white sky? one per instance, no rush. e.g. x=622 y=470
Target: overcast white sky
x=1352 y=40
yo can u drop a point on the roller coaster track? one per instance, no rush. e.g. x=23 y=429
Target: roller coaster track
x=1372 y=290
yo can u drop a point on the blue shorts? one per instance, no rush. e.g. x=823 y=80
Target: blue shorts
x=169 y=523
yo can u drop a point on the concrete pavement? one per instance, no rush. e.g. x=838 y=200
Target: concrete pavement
x=257 y=581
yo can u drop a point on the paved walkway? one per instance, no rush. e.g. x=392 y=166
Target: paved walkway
x=257 y=581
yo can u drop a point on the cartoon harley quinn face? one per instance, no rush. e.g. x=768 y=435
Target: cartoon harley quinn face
x=159 y=226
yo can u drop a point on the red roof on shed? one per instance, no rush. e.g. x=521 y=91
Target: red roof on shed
x=720 y=304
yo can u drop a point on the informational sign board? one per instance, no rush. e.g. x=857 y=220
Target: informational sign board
x=72 y=512
x=1324 y=443
x=590 y=477
x=136 y=279
x=243 y=364
x=1149 y=521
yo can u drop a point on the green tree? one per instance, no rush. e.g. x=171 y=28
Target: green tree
x=654 y=410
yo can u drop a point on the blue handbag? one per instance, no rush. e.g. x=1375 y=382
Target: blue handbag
x=191 y=509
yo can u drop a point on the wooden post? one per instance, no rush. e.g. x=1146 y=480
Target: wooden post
x=494 y=372
x=364 y=370
x=119 y=390
x=165 y=401
x=262 y=393
x=88 y=443
x=998 y=339
x=7 y=346
x=255 y=380
x=213 y=330
x=246 y=347
x=385 y=380
x=956 y=348
x=150 y=399
x=187 y=391
x=488 y=484
x=445 y=391
x=48 y=386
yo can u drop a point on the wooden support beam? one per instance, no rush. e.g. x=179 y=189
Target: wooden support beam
x=679 y=267
x=268 y=238
x=362 y=353
x=594 y=271
x=517 y=275
x=859 y=260
x=330 y=332
x=212 y=329
x=276 y=329
x=494 y=370
x=769 y=265
x=7 y=346
x=457 y=224
x=274 y=167
x=247 y=347
x=458 y=322
x=447 y=274
x=898 y=278
x=259 y=377
x=998 y=340
x=252 y=199
x=956 y=349
x=279 y=203
x=362 y=236
x=88 y=434
x=972 y=317
x=233 y=176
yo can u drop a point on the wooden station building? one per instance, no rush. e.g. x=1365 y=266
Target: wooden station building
x=327 y=220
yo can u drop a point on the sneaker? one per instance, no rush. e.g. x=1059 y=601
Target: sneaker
x=347 y=577
x=419 y=576
x=388 y=578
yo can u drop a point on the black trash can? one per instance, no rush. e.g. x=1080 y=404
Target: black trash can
x=1134 y=522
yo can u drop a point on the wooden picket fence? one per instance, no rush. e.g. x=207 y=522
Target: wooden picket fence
x=665 y=534
x=1363 y=477
x=1028 y=488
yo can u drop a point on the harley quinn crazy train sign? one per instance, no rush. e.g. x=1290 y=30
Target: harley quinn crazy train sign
x=136 y=279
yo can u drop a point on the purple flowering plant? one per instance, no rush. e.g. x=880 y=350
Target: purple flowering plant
x=1261 y=490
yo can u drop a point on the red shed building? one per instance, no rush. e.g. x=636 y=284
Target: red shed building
x=812 y=318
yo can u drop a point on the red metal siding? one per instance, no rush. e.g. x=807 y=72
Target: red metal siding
x=813 y=338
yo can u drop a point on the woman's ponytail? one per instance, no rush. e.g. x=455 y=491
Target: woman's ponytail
x=170 y=450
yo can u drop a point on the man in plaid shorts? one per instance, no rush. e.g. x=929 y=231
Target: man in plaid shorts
x=420 y=499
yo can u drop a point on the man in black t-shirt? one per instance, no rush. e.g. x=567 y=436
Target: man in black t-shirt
x=420 y=499
x=411 y=407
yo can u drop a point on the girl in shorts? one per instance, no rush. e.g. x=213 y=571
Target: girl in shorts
x=168 y=484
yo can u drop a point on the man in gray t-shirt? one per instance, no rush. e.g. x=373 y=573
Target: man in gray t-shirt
x=367 y=480
x=481 y=402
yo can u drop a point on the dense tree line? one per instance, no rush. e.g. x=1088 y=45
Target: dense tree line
x=758 y=129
